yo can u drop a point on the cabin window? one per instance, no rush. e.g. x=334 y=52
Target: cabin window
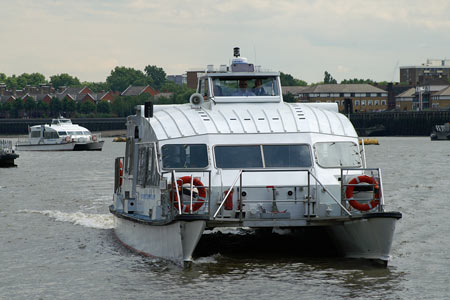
x=61 y=133
x=35 y=134
x=50 y=135
x=238 y=157
x=148 y=174
x=287 y=156
x=337 y=154
x=129 y=155
x=245 y=86
x=262 y=156
x=184 y=156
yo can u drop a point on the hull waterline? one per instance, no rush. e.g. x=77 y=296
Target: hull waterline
x=175 y=241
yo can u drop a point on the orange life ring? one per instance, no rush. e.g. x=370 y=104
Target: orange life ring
x=201 y=194
x=363 y=206
x=120 y=173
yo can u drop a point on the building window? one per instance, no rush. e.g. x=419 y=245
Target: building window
x=383 y=102
x=373 y=94
x=357 y=102
x=377 y=102
x=369 y=102
x=363 y=102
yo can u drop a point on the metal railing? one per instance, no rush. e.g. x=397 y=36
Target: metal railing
x=375 y=173
x=174 y=191
x=309 y=196
x=6 y=146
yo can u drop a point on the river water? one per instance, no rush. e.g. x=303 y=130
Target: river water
x=56 y=238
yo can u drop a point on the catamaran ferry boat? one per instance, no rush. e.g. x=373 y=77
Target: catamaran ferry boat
x=60 y=135
x=237 y=156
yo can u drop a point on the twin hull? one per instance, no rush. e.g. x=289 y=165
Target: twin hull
x=367 y=237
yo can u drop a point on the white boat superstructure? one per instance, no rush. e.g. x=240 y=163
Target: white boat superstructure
x=60 y=135
x=238 y=156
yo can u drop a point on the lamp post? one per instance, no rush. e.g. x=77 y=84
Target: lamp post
x=420 y=91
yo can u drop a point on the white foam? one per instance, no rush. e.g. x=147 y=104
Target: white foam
x=99 y=221
x=207 y=260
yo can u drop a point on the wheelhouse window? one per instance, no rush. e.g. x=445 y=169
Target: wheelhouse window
x=148 y=173
x=245 y=86
x=50 y=135
x=238 y=157
x=35 y=134
x=184 y=156
x=287 y=156
x=62 y=133
x=262 y=156
x=337 y=154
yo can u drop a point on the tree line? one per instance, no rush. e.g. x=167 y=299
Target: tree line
x=119 y=79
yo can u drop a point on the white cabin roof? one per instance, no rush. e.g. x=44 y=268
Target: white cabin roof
x=61 y=127
x=177 y=121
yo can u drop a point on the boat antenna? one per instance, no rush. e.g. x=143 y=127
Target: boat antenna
x=254 y=52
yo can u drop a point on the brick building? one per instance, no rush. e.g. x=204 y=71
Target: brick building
x=358 y=97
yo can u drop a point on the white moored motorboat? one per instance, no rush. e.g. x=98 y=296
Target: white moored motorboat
x=238 y=156
x=60 y=135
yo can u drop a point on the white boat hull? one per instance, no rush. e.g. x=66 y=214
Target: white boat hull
x=175 y=241
x=46 y=147
x=367 y=238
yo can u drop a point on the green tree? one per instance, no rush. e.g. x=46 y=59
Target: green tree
x=6 y=108
x=357 y=81
x=122 y=77
x=11 y=82
x=64 y=79
x=29 y=106
x=33 y=79
x=87 y=107
x=2 y=77
x=17 y=106
x=96 y=87
x=288 y=98
x=42 y=108
x=68 y=107
x=157 y=75
x=118 y=107
x=55 y=107
x=328 y=78
x=289 y=80
x=104 y=107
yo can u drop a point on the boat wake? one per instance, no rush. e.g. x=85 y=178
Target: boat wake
x=98 y=221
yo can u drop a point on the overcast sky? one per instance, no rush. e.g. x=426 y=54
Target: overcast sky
x=347 y=38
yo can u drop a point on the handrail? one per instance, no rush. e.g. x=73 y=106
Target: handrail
x=226 y=196
x=174 y=179
x=378 y=170
x=192 y=190
x=192 y=186
x=381 y=206
x=239 y=175
x=329 y=193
